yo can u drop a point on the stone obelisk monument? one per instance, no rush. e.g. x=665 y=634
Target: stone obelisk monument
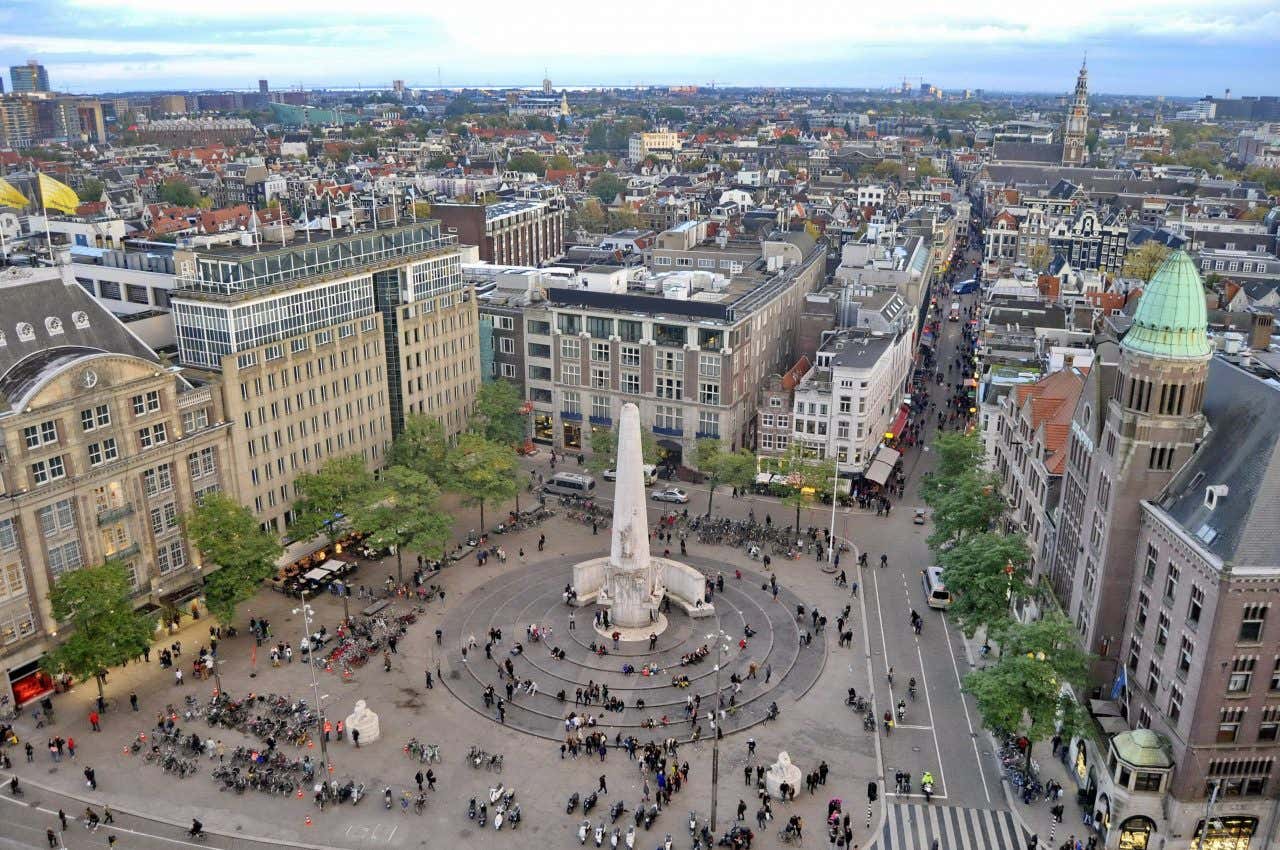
x=632 y=580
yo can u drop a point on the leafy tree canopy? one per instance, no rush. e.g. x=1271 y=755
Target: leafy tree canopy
x=344 y=485
x=975 y=570
x=606 y=187
x=497 y=414
x=527 y=161
x=230 y=539
x=178 y=192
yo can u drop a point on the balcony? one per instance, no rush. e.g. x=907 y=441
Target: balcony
x=571 y=414
x=111 y=515
x=124 y=554
x=668 y=432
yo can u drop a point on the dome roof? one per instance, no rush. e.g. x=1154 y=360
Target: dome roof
x=1143 y=748
x=1171 y=318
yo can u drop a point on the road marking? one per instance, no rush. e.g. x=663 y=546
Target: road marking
x=973 y=736
x=112 y=827
x=871 y=676
x=906 y=726
x=928 y=703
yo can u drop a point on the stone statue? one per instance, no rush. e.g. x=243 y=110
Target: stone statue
x=782 y=771
x=363 y=720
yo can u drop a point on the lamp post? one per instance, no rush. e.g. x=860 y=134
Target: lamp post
x=305 y=610
x=722 y=645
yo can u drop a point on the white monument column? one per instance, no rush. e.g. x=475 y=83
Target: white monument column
x=632 y=586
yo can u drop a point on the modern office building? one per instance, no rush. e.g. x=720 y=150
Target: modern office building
x=18 y=124
x=508 y=233
x=31 y=77
x=103 y=447
x=325 y=346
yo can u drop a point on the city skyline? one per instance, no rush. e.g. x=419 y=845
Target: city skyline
x=123 y=45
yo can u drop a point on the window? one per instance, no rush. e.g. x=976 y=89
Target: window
x=1171 y=581
x=600 y=352
x=1196 y=604
x=109 y=289
x=164 y=518
x=600 y=407
x=8 y=538
x=115 y=537
x=569 y=324
x=170 y=557
x=630 y=383
x=600 y=379
x=195 y=420
x=324 y=337
x=842 y=430
x=1145 y=780
x=1186 y=650
x=600 y=327
x=1175 y=703
x=58 y=518
x=103 y=452
x=158 y=479
x=572 y=403
x=845 y=404
x=1229 y=725
x=766 y=442
x=571 y=374
x=1135 y=653
x=534 y=326
x=507 y=370
x=1162 y=631
x=1251 y=621
x=708 y=423
x=146 y=403
x=156 y=435
x=708 y=393
x=670 y=361
x=1241 y=677
x=630 y=330
x=672 y=388
x=136 y=294
x=1149 y=567
x=1143 y=603
x=784 y=422
x=44 y=471
x=629 y=355
x=46 y=433
x=64 y=558
x=1153 y=677
x=671 y=418
x=1270 y=724
x=709 y=365
x=570 y=349
x=504 y=323
x=95 y=417
x=201 y=463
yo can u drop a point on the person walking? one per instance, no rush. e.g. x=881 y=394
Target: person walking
x=133 y=701
x=742 y=810
x=604 y=786
x=91 y=778
x=107 y=817
x=51 y=836
x=62 y=819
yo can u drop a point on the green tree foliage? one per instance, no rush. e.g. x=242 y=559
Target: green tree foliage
x=481 y=472
x=459 y=106
x=606 y=187
x=342 y=486
x=1023 y=692
x=976 y=570
x=1039 y=256
x=1143 y=261
x=788 y=139
x=590 y=216
x=100 y=628
x=406 y=516
x=964 y=497
x=560 y=162
x=887 y=170
x=721 y=466
x=943 y=137
x=497 y=414
x=604 y=448
x=178 y=192
x=622 y=218
x=693 y=166
x=805 y=478
x=421 y=446
x=230 y=539
x=598 y=136
x=527 y=161
x=924 y=168
x=671 y=115
x=91 y=190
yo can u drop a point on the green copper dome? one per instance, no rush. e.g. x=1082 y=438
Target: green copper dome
x=1170 y=320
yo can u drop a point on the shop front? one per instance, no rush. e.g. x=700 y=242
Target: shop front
x=1229 y=832
x=544 y=428
x=29 y=683
x=1136 y=833
x=572 y=436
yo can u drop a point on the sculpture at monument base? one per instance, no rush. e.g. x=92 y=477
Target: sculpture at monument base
x=363 y=720
x=779 y=772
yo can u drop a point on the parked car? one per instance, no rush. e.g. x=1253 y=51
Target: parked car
x=670 y=494
x=918 y=517
x=650 y=474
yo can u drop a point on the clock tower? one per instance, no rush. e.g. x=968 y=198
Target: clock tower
x=1077 y=126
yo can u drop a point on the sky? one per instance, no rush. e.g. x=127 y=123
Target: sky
x=1169 y=47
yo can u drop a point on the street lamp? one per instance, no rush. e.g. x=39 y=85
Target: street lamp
x=305 y=610
x=722 y=645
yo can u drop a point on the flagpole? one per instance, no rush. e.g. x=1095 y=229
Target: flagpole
x=328 y=200
x=306 y=218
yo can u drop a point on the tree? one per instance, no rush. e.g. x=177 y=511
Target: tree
x=480 y=471
x=604 y=449
x=1039 y=257
x=459 y=106
x=421 y=446
x=100 y=626
x=977 y=571
x=955 y=453
x=720 y=466
x=1023 y=693
x=788 y=139
x=178 y=192
x=342 y=488
x=1143 y=262
x=943 y=136
x=623 y=218
x=965 y=498
x=229 y=537
x=671 y=115
x=560 y=162
x=693 y=166
x=422 y=209
x=497 y=413
x=406 y=517
x=887 y=170
x=925 y=168
x=606 y=187
x=590 y=216
x=527 y=161
x=804 y=478
x=91 y=190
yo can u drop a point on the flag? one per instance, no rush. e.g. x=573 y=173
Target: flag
x=1120 y=683
x=11 y=197
x=58 y=196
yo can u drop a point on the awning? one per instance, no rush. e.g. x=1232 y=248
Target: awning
x=882 y=464
x=1113 y=725
x=899 y=421
x=1104 y=708
x=182 y=594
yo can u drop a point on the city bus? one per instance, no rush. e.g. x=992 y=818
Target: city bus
x=935 y=592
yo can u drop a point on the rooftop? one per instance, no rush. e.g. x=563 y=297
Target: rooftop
x=1171 y=318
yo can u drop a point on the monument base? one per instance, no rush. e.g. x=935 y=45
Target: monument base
x=634 y=634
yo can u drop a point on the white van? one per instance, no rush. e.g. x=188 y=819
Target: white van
x=570 y=484
x=955 y=312
x=650 y=474
x=936 y=594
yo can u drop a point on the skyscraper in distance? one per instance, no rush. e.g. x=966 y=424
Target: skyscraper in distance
x=31 y=77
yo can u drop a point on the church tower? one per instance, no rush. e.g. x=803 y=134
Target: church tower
x=1077 y=127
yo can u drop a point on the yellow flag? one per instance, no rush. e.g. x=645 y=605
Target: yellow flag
x=58 y=196
x=11 y=197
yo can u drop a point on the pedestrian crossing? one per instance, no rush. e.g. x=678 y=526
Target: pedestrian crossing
x=916 y=826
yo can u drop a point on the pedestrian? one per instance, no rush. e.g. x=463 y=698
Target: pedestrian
x=604 y=787
x=93 y=721
x=417 y=777
x=746 y=775
x=91 y=778
x=62 y=819
x=768 y=672
x=177 y=676
x=742 y=810
x=822 y=773
x=71 y=748
x=355 y=737
x=106 y=815
x=133 y=701
x=31 y=752
x=51 y=836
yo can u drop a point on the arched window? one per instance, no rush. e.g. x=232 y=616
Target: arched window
x=1136 y=833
